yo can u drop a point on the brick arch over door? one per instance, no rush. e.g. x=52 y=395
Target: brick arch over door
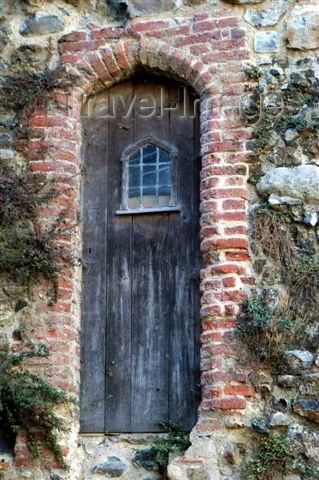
x=90 y=67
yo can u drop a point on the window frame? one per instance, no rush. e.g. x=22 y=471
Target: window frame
x=126 y=155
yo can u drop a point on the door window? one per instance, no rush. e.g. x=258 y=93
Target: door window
x=148 y=177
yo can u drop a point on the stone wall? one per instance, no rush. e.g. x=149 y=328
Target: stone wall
x=208 y=44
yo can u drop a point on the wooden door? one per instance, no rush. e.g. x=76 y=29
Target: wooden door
x=140 y=332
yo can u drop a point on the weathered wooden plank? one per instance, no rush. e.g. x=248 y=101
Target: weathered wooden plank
x=150 y=288
x=183 y=255
x=118 y=278
x=94 y=279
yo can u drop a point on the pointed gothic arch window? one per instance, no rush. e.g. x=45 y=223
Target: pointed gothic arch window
x=149 y=180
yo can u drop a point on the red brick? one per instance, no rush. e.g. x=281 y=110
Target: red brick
x=226 y=350
x=229 y=282
x=110 y=32
x=225 y=146
x=224 y=243
x=71 y=47
x=23 y=462
x=231 y=296
x=149 y=26
x=65 y=283
x=204 y=26
x=120 y=56
x=44 y=166
x=235 y=181
x=208 y=426
x=99 y=67
x=225 y=193
x=225 y=170
x=199 y=38
x=248 y=280
x=74 y=37
x=223 y=377
x=230 y=310
x=207 y=337
x=227 y=268
x=208 y=231
x=42 y=121
x=244 y=390
x=211 y=310
x=228 y=403
x=237 y=256
x=223 y=56
x=215 y=391
x=176 y=32
x=240 y=230
x=67 y=156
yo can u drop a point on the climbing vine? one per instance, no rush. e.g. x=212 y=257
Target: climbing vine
x=26 y=253
x=27 y=402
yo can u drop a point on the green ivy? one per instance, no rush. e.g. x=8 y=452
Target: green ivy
x=266 y=332
x=273 y=456
x=27 y=402
x=177 y=440
x=26 y=255
x=253 y=72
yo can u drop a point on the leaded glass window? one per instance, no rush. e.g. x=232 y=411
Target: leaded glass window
x=149 y=178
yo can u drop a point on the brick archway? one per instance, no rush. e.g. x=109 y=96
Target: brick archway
x=93 y=62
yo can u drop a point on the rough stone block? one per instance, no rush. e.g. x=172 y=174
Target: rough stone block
x=40 y=23
x=6 y=154
x=299 y=359
x=113 y=468
x=146 y=7
x=303 y=27
x=280 y=419
x=144 y=459
x=245 y=2
x=264 y=17
x=307 y=408
x=299 y=182
x=5 y=139
x=266 y=41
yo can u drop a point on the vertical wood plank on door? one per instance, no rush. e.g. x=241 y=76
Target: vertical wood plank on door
x=182 y=251
x=119 y=251
x=95 y=149
x=150 y=289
